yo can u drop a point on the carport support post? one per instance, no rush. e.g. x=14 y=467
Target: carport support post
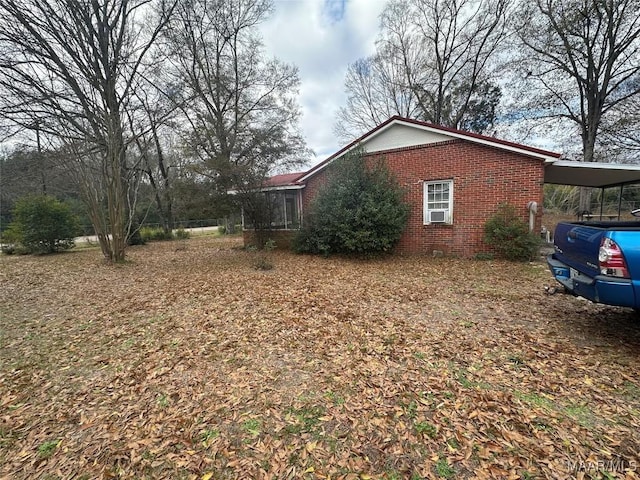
x=601 y=201
x=620 y=200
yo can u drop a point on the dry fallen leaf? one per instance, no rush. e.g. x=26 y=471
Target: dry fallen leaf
x=192 y=364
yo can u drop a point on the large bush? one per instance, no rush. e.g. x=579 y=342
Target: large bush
x=509 y=235
x=42 y=224
x=359 y=211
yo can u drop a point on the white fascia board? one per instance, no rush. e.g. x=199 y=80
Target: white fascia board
x=269 y=189
x=285 y=187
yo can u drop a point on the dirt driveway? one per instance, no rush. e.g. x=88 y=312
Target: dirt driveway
x=186 y=362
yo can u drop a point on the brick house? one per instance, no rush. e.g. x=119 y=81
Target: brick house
x=454 y=181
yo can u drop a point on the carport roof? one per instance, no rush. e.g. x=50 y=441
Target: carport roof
x=583 y=174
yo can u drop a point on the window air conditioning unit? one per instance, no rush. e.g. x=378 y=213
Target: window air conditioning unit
x=437 y=216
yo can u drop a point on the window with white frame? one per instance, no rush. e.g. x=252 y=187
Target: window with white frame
x=438 y=202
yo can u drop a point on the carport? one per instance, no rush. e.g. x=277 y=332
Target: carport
x=584 y=174
x=595 y=175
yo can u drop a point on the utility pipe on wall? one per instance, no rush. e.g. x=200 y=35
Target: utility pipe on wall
x=533 y=209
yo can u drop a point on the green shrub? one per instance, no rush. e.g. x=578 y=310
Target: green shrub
x=154 y=233
x=181 y=234
x=42 y=224
x=10 y=240
x=359 y=211
x=150 y=234
x=232 y=229
x=509 y=236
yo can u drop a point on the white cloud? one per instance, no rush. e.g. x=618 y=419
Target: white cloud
x=322 y=37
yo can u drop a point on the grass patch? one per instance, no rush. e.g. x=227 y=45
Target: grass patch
x=208 y=436
x=426 y=428
x=631 y=391
x=48 y=448
x=304 y=419
x=462 y=376
x=163 y=400
x=443 y=469
x=335 y=398
x=252 y=426
x=582 y=414
x=535 y=400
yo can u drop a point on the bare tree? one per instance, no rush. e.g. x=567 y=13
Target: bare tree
x=581 y=60
x=439 y=54
x=153 y=123
x=240 y=107
x=620 y=132
x=376 y=91
x=70 y=66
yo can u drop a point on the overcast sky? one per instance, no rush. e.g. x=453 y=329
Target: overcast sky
x=322 y=37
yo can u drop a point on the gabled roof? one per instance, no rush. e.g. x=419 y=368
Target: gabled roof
x=408 y=133
x=435 y=132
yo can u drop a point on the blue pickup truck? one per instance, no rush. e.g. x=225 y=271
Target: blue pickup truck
x=599 y=261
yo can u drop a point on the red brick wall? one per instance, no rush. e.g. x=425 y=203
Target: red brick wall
x=310 y=190
x=483 y=177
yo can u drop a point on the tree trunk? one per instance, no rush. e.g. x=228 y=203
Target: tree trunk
x=115 y=212
x=116 y=197
x=93 y=200
x=230 y=227
x=588 y=148
x=585 y=201
x=167 y=214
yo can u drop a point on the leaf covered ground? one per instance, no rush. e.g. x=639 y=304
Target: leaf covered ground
x=188 y=363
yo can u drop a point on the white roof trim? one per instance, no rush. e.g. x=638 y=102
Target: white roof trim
x=268 y=189
x=282 y=187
